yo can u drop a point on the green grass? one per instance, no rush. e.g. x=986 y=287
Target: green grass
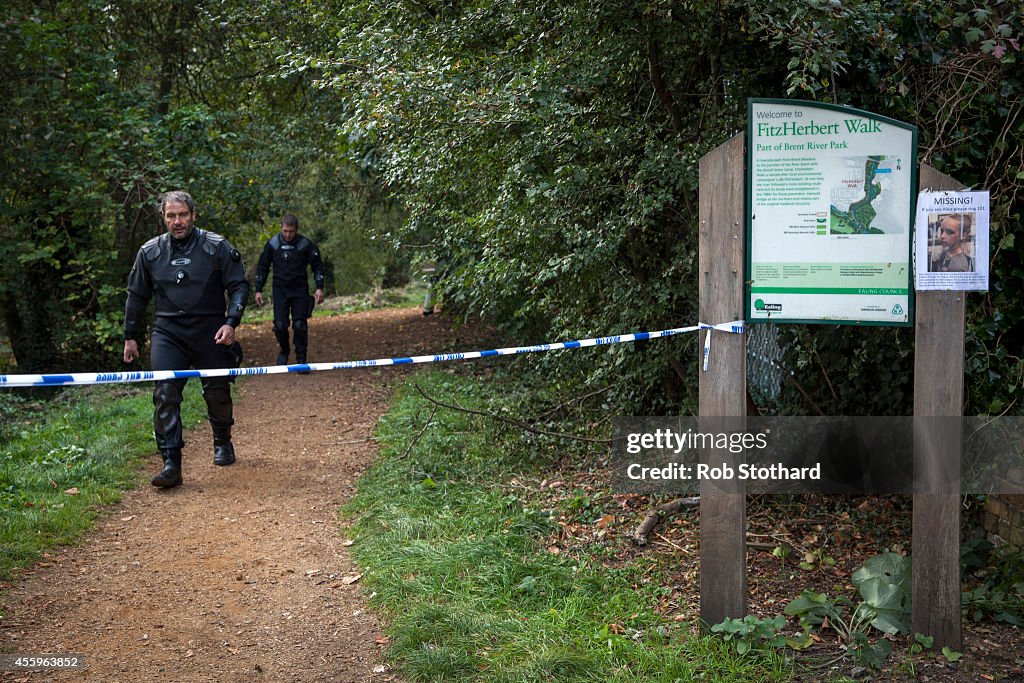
x=64 y=457
x=410 y=295
x=457 y=557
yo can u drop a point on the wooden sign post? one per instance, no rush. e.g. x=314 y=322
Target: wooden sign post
x=723 y=388
x=938 y=407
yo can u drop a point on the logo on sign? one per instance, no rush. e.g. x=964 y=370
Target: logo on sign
x=762 y=306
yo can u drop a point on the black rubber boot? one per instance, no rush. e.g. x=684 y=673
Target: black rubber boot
x=223 y=449
x=217 y=393
x=223 y=452
x=170 y=475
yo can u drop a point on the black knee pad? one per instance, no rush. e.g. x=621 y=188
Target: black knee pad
x=217 y=390
x=166 y=394
x=300 y=326
x=280 y=326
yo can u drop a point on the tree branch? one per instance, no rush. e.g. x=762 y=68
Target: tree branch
x=501 y=418
x=415 y=439
x=577 y=399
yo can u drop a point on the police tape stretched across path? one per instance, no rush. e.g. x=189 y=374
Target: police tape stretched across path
x=37 y=380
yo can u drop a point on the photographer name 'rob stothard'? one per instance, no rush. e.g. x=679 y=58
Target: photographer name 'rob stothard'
x=723 y=472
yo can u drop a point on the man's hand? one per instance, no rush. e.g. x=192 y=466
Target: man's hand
x=319 y=294
x=131 y=350
x=225 y=335
x=259 y=299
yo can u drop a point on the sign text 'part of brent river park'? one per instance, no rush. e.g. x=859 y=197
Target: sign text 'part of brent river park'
x=829 y=212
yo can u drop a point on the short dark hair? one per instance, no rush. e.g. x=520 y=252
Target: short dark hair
x=178 y=196
x=290 y=219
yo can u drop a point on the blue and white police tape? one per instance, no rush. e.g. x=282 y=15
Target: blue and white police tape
x=735 y=327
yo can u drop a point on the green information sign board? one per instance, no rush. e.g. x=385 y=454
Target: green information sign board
x=830 y=209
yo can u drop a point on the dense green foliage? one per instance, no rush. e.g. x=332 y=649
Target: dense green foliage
x=109 y=104
x=453 y=547
x=548 y=153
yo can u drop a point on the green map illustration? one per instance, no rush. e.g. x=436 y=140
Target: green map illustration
x=855 y=217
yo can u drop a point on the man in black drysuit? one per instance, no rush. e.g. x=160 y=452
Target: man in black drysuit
x=188 y=271
x=290 y=254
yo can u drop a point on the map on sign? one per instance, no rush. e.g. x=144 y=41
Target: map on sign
x=859 y=204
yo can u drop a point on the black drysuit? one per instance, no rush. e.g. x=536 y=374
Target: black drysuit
x=189 y=279
x=291 y=291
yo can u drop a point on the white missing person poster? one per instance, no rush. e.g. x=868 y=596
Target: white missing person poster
x=830 y=194
x=951 y=241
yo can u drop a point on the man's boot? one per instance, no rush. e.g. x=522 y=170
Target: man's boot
x=223 y=452
x=217 y=392
x=170 y=475
x=223 y=449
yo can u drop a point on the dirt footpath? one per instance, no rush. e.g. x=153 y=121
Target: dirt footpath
x=241 y=574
